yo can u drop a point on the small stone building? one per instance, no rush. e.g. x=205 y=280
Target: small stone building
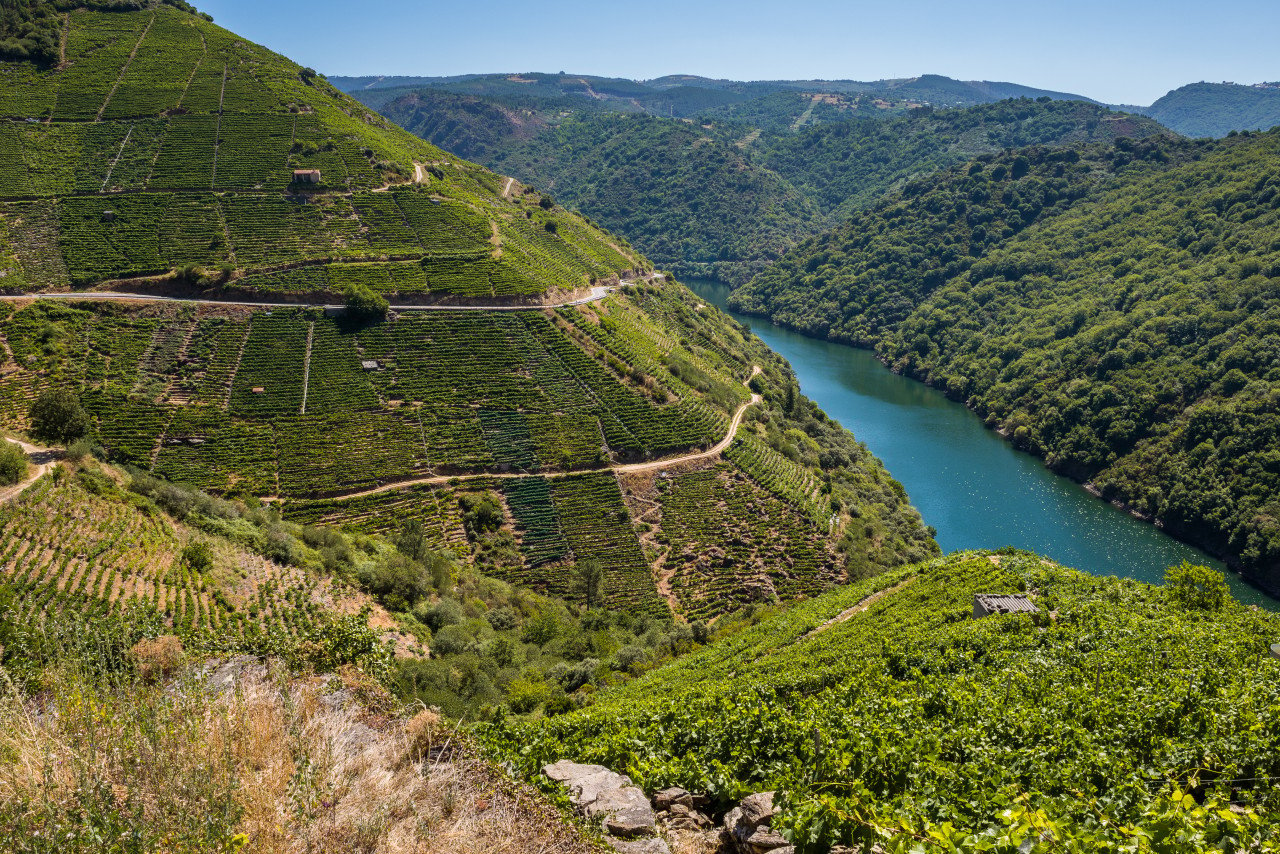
x=306 y=176
x=988 y=604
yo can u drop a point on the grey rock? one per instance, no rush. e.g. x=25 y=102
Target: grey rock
x=639 y=846
x=764 y=841
x=625 y=812
x=613 y=798
x=675 y=795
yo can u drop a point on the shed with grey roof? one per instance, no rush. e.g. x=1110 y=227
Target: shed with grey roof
x=987 y=604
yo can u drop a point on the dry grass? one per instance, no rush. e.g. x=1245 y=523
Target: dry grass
x=272 y=765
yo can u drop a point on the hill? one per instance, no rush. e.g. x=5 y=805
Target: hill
x=717 y=199
x=1216 y=109
x=527 y=440
x=1110 y=308
x=165 y=150
x=885 y=714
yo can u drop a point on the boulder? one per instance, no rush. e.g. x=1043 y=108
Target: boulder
x=747 y=825
x=619 y=804
x=675 y=795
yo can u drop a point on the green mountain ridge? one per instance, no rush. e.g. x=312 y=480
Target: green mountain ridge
x=1216 y=109
x=722 y=199
x=1111 y=309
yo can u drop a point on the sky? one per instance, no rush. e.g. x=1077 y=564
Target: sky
x=1115 y=51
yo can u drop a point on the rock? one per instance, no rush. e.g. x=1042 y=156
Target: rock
x=625 y=812
x=639 y=846
x=749 y=820
x=765 y=840
x=602 y=794
x=681 y=817
x=675 y=795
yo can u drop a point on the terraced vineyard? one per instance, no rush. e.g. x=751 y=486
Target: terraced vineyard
x=204 y=130
x=65 y=549
x=729 y=542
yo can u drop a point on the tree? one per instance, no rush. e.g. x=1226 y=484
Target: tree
x=13 y=463
x=57 y=416
x=589 y=581
x=1198 y=587
x=198 y=556
x=363 y=304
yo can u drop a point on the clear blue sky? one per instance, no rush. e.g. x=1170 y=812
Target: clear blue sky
x=1118 y=51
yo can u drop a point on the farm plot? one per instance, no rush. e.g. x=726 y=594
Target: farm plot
x=104 y=238
x=156 y=78
x=336 y=381
x=538 y=529
x=277 y=229
x=98 y=47
x=46 y=151
x=506 y=432
x=329 y=454
x=26 y=90
x=567 y=441
x=185 y=161
x=443 y=226
x=211 y=358
x=191 y=232
x=13 y=169
x=386 y=223
x=205 y=448
x=118 y=155
x=453 y=439
x=730 y=543
x=793 y=483
x=128 y=430
x=435 y=507
x=269 y=380
x=115 y=345
x=597 y=526
x=253 y=152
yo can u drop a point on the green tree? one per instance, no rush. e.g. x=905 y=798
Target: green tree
x=1195 y=586
x=57 y=416
x=13 y=463
x=198 y=556
x=589 y=581
x=365 y=305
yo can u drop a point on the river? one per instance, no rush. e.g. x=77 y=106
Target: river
x=971 y=485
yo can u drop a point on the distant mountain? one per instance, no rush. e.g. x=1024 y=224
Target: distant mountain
x=725 y=193
x=1216 y=109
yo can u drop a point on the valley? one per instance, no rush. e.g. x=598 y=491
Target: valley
x=462 y=464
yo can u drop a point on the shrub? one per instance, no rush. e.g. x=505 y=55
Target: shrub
x=13 y=463
x=57 y=416
x=364 y=305
x=198 y=556
x=1198 y=587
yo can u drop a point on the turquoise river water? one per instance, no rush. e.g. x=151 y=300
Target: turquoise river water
x=968 y=482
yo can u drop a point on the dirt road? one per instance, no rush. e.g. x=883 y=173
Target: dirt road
x=42 y=460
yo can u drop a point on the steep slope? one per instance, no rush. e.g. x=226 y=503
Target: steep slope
x=165 y=149
x=525 y=440
x=885 y=714
x=1216 y=109
x=1112 y=309
x=848 y=165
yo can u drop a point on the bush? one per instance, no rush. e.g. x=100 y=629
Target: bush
x=364 y=305
x=156 y=658
x=1198 y=587
x=198 y=556
x=57 y=416
x=13 y=463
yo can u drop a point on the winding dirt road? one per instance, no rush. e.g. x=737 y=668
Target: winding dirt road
x=598 y=292
x=42 y=459
x=652 y=465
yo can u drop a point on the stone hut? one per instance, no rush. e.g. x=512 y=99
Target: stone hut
x=306 y=176
x=988 y=604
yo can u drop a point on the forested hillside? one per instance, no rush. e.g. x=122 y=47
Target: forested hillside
x=1112 y=309
x=1216 y=109
x=884 y=714
x=724 y=199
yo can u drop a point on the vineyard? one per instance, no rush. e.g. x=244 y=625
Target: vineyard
x=173 y=144
x=884 y=717
x=730 y=543
x=66 y=549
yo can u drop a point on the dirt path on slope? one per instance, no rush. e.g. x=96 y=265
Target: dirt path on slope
x=42 y=460
x=506 y=191
x=718 y=448
x=860 y=607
